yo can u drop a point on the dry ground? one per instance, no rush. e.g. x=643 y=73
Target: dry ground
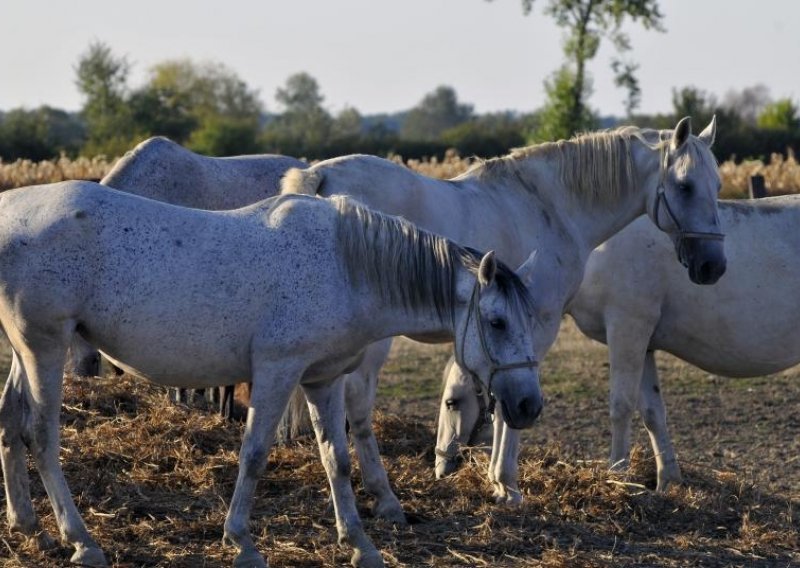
x=152 y=480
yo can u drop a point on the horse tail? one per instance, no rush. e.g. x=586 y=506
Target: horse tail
x=303 y=182
x=295 y=421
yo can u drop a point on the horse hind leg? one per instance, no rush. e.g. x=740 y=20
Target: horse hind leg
x=44 y=365
x=654 y=415
x=326 y=406
x=13 y=454
x=627 y=346
x=360 y=392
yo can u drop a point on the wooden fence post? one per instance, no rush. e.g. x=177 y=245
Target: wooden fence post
x=756 y=187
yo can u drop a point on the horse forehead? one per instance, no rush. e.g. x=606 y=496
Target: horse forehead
x=695 y=162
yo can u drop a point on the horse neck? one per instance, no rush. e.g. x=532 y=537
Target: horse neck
x=422 y=323
x=591 y=223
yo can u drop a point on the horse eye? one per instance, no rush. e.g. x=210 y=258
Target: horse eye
x=498 y=324
x=685 y=187
x=451 y=403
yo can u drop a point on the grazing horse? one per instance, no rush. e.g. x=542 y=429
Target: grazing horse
x=562 y=199
x=634 y=299
x=287 y=291
x=160 y=169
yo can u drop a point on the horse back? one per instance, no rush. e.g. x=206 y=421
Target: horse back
x=163 y=170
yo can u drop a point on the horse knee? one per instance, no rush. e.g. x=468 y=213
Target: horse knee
x=361 y=428
x=621 y=409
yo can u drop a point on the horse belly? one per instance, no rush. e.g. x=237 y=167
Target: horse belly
x=183 y=355
x=170 y=365
x=748 y=345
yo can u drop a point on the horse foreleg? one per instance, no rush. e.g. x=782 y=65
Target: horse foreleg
x=13 y=453
x=504 y=475
x=360 y=392
x=627 y=346
x=326 y=406
x=268 y=397
x=654 y=415
x=44 y=369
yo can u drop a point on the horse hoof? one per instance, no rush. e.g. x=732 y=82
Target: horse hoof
x=666 y=479
x=44 y=541
x=89 y=556
x=391 y=513
x=507 y=497
x=371 y=559
x=250 y=559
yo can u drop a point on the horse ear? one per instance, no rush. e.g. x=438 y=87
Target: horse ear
x=709 y=133
x=525 y=270
x=682 y=132
x=487 y=269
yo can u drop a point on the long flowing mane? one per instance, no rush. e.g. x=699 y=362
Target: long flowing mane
x=597 y=167
x=409 y=266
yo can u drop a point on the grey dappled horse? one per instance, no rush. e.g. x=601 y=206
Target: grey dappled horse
x=744 y=326
x=562 y=199
x=287 y=291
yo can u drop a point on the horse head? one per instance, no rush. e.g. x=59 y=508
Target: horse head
x=464 y=418
x=494 y=339
x=683 y=202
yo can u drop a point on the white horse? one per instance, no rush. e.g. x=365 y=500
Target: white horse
x=562 y=199
x=287 y=291
x=634 y=299
x=160 y=169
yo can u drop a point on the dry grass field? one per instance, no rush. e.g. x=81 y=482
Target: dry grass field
x=153 y=479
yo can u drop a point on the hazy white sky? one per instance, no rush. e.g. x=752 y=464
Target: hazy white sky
x=381 y=56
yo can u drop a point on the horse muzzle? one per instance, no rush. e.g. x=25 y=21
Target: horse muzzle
x=446 y=465
x=704 y=259
x=523 y=413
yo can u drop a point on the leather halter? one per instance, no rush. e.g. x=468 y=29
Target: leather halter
x=481 y=391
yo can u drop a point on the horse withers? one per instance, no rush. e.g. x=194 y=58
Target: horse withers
x=287 y=291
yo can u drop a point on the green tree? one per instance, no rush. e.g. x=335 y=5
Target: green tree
x=435 y=113
x=348 y=124
x=694 y=102
x=780 y=115
x=102 y=78
x=556 y=117
x=304 y=127
x=203 y=105
x=40 y=134
x=587 y=23
x=487 y=135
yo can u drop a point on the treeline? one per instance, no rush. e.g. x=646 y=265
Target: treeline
x=209 y=109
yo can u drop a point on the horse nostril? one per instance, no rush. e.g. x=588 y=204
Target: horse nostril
x=531 y=407
x=711 y=271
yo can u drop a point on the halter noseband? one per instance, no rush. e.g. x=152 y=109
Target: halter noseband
x=661 y=196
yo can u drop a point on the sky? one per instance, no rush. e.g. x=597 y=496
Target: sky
x=379 y=56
